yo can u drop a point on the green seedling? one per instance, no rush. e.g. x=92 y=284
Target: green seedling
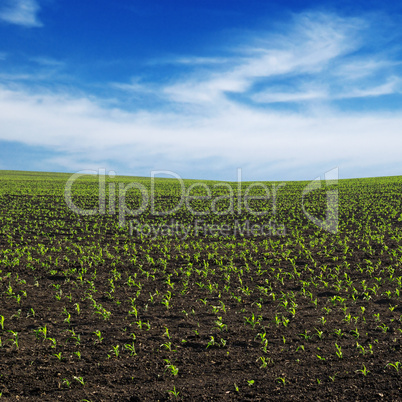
x=174 y=392
x=131 y=349
x=99 y=335
x=15 y=339
x=80 y=380
x=395 y=365
x=115 y=350
x=281 y=380
x=364 y=370
x=173 y=369
x=59 y=356
x=339 y=351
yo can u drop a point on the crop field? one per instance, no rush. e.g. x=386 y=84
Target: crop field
x=212 y=301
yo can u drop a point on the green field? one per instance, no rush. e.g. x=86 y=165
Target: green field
x=225 y=297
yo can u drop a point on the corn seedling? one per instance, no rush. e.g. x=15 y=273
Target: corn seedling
x=80 y=380
x=339 y=351
x=174 y=392
x=364 y=370
x=131 y=349
x=394 y=365
x=99 y=336
x=59 y=356
x=115 y=350
x=173 y=369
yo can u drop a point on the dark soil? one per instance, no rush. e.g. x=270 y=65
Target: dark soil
x=218 y=354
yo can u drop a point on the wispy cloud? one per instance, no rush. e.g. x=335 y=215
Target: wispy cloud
x=285 y=97
x=192 y=60
x=363 y=66
x=35 y=71
x=313 y=42
x=135 y=86
x=393 y=85
x=21 y=12
x=48 y=61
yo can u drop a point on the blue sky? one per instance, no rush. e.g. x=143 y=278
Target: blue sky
x=284 y=90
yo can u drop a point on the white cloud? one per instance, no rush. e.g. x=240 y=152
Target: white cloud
x=392 y=86
x=274 y=97
x=361 y=67
x=267 y=143
x=19 y=77
x=21 y=12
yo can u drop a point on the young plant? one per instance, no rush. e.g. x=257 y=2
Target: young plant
x=173 y=369
x=364 y=370
x=15 y=340
x=339 y=351
x=66 y=382
x=174 y=392
x=131 y=348
x=99 y=335
x=80 y=380
x=115 y=350
x=212 y=343
x=168 y=346
x=265 y=361
x=394 y=365
x=281 y=380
